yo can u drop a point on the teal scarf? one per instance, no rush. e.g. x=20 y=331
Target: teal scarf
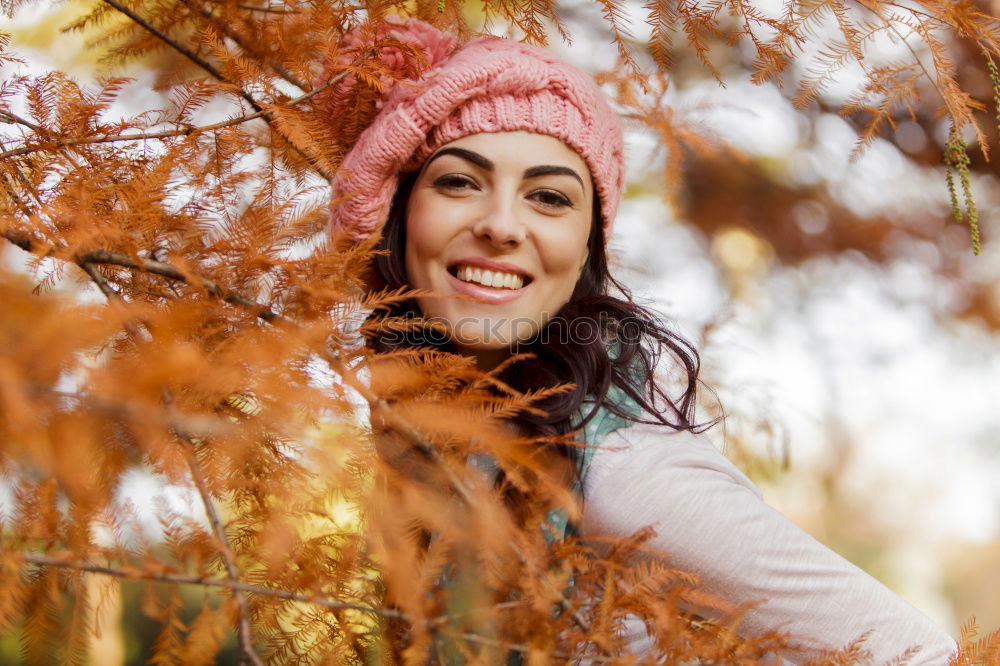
x=603 y=424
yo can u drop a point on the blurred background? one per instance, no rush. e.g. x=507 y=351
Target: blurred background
x=847 y=332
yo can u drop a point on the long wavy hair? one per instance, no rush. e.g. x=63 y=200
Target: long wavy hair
x=600 y=339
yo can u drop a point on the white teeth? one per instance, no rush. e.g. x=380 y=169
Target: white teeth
x=495 y=279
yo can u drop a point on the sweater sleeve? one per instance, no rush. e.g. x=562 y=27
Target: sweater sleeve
x=711 y=520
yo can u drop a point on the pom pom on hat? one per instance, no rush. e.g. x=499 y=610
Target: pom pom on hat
x=488 y=85
x=394 y=64
x=433 y=44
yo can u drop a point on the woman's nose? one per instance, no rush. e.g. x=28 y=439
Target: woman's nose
x=500 y=225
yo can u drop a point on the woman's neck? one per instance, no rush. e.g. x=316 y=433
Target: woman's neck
x=486 y=359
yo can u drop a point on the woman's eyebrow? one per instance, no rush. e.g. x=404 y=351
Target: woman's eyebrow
x=468 y=155
x=552 y=170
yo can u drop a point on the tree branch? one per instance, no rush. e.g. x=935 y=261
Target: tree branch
x=98 y=279
x=183 y=131
x=13 y=117
x=177 y=46
x=165 y=134
x=228 y=557
x=325 y=602
x=916 y=58
x=267 y=10
x=22 y=242
x=168 y=271
x=527 y=649
x=224 y=28
x=160 y=268
x=11 y=190
x=227 y=583
x=211 y=69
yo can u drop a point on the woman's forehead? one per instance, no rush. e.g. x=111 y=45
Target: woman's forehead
x=519 y=148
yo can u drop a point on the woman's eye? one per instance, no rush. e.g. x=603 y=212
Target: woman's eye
x=454 y=181
x=551 y=199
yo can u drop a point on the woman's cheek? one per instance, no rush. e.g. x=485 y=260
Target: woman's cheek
x=564 y=261
x=424 y=245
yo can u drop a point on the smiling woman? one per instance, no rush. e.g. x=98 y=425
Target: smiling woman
x=494 y=181
x=502 y=219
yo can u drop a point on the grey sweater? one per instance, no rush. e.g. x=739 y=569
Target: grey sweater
x=712 y=521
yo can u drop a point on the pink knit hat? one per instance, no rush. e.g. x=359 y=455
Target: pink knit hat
x=488 y=85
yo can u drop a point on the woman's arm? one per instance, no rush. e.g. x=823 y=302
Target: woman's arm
x=711 y=520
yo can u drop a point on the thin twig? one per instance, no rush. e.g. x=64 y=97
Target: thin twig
x=16 y=239
x=933 y=80
x=228 y=557
x=166 y=270
x=211 y=69
x=383 y=410
x=267 y=10
x=177 y=46
x=98 y=279
x=10 y=187
x=526 y=649
x=160 y=268
x=223 y=27
x=243 y=632
x=227 y=583
x=22 y=121
x=325 y=602
x=289 y=12
x=137 y=136
x=183 y=131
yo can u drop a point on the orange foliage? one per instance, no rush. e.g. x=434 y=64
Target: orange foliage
x=214 y=361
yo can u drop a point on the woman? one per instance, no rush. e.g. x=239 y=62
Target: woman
x=496 y=177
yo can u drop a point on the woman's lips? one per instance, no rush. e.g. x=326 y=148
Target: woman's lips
x=491 y=265
x=493 y=295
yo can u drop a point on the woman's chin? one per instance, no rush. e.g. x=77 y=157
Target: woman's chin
x=491 y=334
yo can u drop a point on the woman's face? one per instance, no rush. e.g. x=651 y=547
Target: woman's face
x=497 y=227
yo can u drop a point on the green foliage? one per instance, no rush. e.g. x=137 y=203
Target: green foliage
x=957 y=160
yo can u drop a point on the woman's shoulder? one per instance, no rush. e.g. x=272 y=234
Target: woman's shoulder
x=652 y=454
x=710 y=519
